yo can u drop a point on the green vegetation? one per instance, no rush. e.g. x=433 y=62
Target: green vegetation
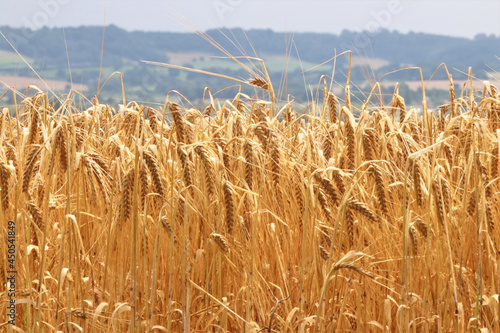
x=10 y=60
x=388 y=51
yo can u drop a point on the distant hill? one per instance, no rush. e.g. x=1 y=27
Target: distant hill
x=376 y=55
x=84 y=43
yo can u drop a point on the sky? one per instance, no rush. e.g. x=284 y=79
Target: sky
x=458 y=18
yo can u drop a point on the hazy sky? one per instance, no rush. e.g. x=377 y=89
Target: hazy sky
x=453 y=17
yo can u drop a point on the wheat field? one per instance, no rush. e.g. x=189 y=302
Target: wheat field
x=248 y=216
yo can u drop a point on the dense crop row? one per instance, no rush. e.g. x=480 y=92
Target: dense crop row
x=248 y=215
